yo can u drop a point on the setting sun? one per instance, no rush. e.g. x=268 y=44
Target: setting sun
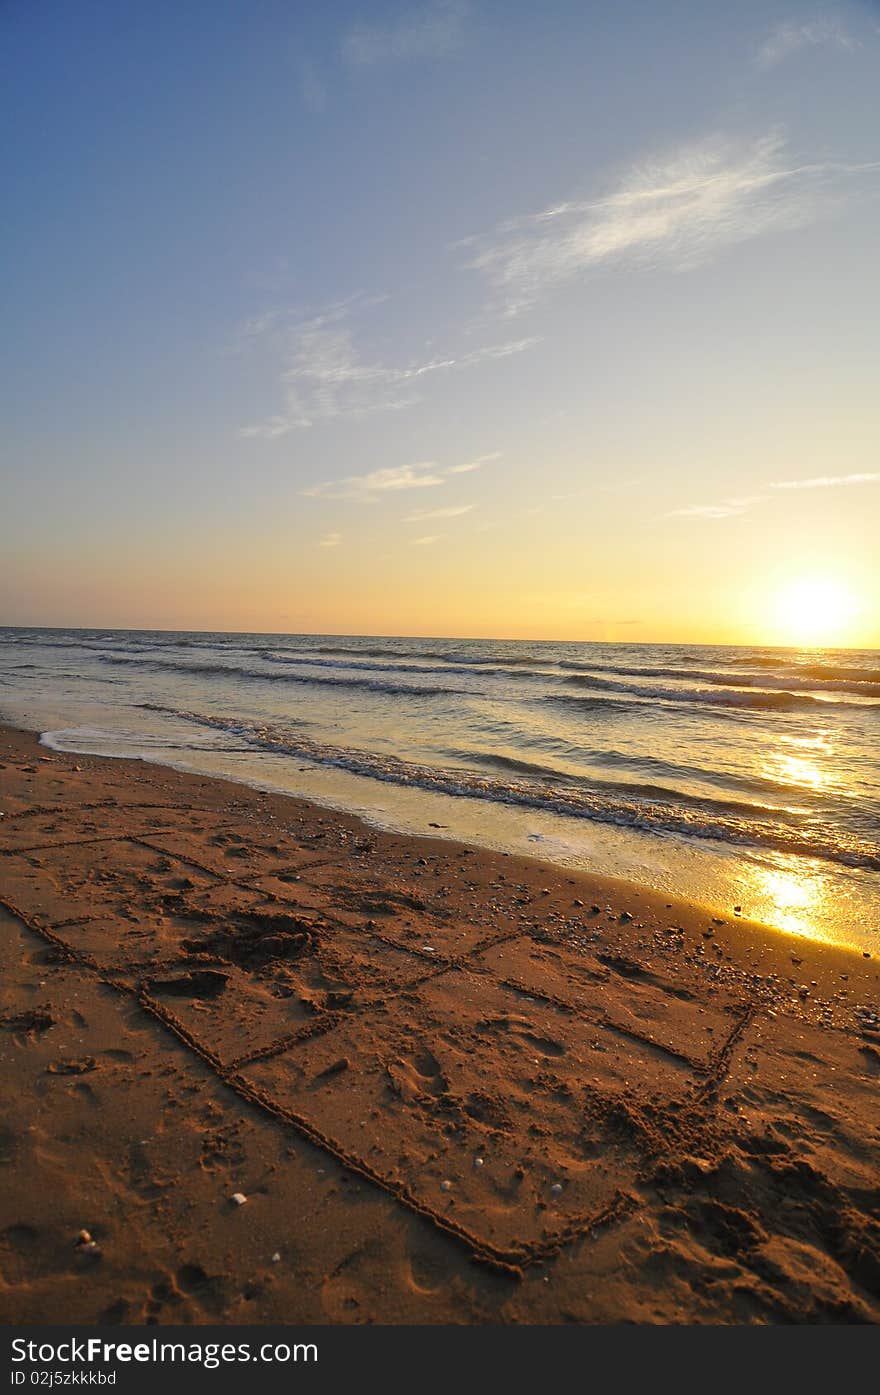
x=814 y=610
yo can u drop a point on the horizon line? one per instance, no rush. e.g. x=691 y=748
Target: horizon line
x=456 y=639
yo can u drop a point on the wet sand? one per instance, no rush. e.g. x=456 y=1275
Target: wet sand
x=453 y=1086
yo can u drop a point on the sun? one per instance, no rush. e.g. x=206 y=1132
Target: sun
x=814 y=611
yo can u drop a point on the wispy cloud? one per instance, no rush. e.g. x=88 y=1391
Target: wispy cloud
x=330 y=540
x=389 y=480
x=324 y=374
x=392 y=479
x=727 y=508
x=467 y=466
x=677 y=212
x=257 y=325
x=826 y=481
x=428 y=31
x=732 y=508
x=276 y=326
x=454 y=511
x=425 y=542
x=786 y=39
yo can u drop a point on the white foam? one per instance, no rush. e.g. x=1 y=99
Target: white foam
x=81 y=741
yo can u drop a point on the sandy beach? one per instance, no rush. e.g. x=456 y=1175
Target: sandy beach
x=451 y=1086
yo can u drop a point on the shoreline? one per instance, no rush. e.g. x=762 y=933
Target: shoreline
x=685 y=772
x=706 y=873
x=743 y=934
x=266 y=997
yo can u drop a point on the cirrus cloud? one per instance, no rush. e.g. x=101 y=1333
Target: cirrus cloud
x=787 y=39
x=324 y=375
x=732 y=508
x=826 y=481
x=677 y=211
x=390 y=479
x=454 y=511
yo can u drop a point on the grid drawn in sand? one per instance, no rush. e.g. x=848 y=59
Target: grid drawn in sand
x=402 y=1041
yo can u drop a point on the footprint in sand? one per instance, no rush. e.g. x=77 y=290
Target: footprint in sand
x=189 y=1289
x=20 y=1236
x=68 y=1065
x=199 y=983
x=23 y=1258
x=417 y=1074
x=118 y=1313
x=208 y=1290
x=424 y=1272
x=29 y=1023
x=521 y=1028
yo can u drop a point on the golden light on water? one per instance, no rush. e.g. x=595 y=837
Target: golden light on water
x=790 y=900
x=798 y=766
x=814 y=611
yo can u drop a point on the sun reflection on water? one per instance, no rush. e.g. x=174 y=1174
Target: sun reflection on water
x=800 y=765
x=791 y=898
x=795 y=770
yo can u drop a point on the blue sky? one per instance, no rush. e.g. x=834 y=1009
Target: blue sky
x=464 y=317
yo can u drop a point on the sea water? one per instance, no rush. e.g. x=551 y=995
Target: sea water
x=734 y=776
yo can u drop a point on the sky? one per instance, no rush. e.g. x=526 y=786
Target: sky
x=466 y=317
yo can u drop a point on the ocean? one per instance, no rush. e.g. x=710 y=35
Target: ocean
x=735 y=776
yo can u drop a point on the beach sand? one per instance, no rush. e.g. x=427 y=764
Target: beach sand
x=453 y=1086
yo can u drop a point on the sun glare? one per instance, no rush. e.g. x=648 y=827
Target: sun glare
x=814 y=610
